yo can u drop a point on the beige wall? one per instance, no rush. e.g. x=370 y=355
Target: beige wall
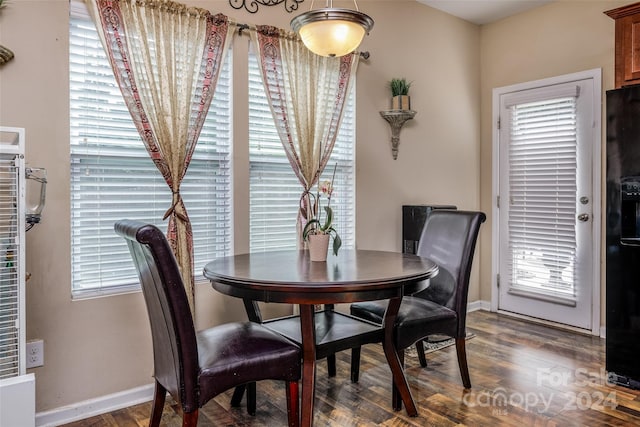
x=560 y=38
x=100 y=346
x=438 y=153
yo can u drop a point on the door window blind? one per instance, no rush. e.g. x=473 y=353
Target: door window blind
x=275 y=190
x=542 y=195
x=112 y=176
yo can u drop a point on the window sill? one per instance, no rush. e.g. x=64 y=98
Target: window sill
x=106 y=292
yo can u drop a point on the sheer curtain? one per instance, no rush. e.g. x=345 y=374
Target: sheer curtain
x=166 y=58
x=307 y=95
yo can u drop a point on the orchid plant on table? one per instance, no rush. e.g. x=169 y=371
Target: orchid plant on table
x=316 y=224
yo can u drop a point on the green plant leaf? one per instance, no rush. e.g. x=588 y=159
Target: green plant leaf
x=309 y=227
x=329 y=219
x=337 y=242
x=399 y=87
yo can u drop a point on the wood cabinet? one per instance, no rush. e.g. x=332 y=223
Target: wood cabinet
x=627 y=59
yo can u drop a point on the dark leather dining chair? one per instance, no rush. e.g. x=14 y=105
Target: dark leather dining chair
x=193 y=366
x=449 y=239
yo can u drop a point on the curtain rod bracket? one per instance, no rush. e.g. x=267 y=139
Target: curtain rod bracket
x=242 y=27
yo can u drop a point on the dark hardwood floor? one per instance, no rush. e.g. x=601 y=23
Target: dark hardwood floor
x=523 y=374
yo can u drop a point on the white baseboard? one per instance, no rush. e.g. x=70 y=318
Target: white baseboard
x=478 y=305
x=92 y=407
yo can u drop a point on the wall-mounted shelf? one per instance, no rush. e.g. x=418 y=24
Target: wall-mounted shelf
x=396 y=119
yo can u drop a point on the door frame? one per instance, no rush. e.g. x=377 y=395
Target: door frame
x=596 y=76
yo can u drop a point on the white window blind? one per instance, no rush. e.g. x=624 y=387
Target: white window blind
x=112 y=176
x=542 y=196
x=275 y=190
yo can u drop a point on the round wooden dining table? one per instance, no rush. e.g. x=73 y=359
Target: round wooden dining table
x=351 y=276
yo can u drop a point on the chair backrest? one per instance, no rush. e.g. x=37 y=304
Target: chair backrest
x=175 y=352
x=449 y=239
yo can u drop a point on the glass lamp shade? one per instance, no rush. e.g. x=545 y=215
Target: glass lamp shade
x=332 y=31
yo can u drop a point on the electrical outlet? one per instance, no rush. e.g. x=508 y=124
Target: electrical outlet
x=35 y=353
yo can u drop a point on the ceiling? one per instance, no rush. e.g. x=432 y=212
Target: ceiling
x=484 y=11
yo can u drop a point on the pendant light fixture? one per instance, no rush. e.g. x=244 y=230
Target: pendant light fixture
x=332 y=31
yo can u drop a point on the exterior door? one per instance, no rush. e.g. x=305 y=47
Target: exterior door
x=547 y=209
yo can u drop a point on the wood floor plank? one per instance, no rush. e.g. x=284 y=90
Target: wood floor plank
x=522 y=373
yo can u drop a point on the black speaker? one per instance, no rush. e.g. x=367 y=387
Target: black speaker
x=413 y=219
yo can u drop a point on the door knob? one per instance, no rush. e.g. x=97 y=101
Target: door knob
x=583 y=217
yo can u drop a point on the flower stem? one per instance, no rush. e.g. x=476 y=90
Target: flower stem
x=333 y=177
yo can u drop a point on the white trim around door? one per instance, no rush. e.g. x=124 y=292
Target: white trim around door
x=517 y=91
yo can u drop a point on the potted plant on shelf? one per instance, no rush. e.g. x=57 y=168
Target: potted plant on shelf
x=318 y=230
x=400 y=99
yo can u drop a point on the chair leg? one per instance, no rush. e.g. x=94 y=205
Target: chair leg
x=238 y=393
x=462 y=362
x=355 y=364
x=396 y=399
x=158 y=405
x=190 y=419
x=251 y=398
x=331 y=365
x=293 y=404
x=421 y=357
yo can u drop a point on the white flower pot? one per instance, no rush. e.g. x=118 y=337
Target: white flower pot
x=318 y=246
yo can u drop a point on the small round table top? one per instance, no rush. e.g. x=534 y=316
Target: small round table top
x=290 y=276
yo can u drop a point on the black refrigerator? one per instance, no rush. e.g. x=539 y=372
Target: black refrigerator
x=623 y=236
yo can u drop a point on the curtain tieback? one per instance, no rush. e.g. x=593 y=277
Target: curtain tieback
x=177 y=199
x=305 y=204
